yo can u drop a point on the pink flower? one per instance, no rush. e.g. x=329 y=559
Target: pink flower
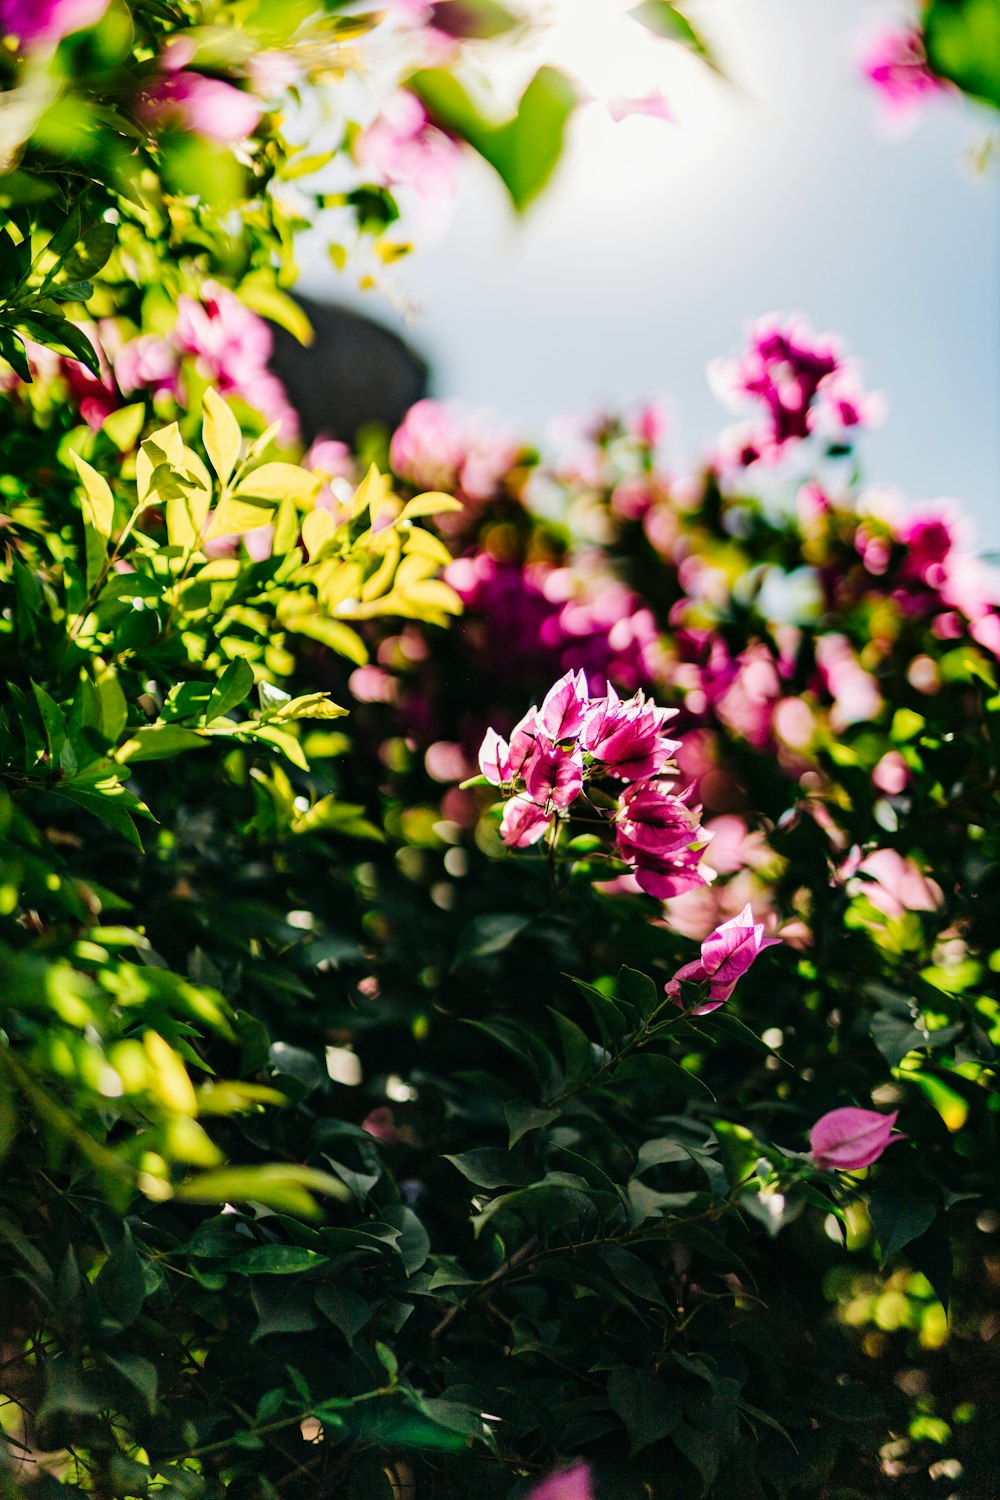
x=44 y=23
x=850 y=1138
x=624 y=737
x=797 y=379
x=440 y=445
x=148 y=362
x=523 y=823
x=659 y=835
x=653 y=104
x=233 y=346
x=564 y=707
x=726 y=954
x=896 y=885
x=854 y=691
x=568 y=1484
x=403 y=147
x=210 y=107
x=896 y=64
x=892 y=774
x=553 y=777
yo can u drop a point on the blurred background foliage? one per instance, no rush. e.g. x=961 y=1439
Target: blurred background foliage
x=343 y=1152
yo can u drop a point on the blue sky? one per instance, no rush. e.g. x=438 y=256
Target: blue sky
x=657 y=243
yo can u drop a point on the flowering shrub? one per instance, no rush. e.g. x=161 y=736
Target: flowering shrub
x=357 y=1141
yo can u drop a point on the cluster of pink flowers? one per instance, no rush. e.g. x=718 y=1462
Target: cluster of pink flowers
x=231 y=343
x=572 y=739
x=441 y=445
x=800 y=383
x=537 y=620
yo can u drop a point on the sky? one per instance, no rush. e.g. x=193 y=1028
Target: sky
x=782 y=188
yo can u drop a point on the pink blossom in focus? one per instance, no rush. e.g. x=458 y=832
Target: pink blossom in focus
x=403 y=147
x=553 y=776
x=209 y=107
x=523 y=822
x=726 y=954
x=44 y=23
x=848 y=1139
x=896 y=63
x=659 y=835
x=564 y=707
x=568 y=1484
x=624 y=737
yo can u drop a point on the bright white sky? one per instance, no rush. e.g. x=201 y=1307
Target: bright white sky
x=658 y=242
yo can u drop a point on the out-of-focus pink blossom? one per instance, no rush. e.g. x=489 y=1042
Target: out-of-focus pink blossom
x=441 y=445
x=892 y=774
x=726 y=955
x=896 y=63
x=233 y=346
x=273 y=73
x=210 y=107
x=146 y=363
x=895 y=884
x=854 y=691
x=653 y=105
x=797 y=380
x=848 y=1139
x=402 y=146
x=568 y=1484
x=43 y=23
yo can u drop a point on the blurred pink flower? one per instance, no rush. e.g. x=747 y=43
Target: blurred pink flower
x=209 y=107
x=233 y=345
x=854 y=691
x=895 y=885
x=568 y=1484
x=892 y=774
x=653 y=104
x=403 y=147
x=43 y=23
x=148 y=362
x=850 y=1138
x=726 y=955
x=896 y=63
x=441 y=445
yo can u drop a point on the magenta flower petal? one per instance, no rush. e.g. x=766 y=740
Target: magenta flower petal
x=494 y=758
x=553 y=775
x=523 y=823
x=564 y=706
x=850 y=1138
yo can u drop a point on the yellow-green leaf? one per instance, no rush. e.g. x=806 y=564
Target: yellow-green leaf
x=220 y=432
x=234 y=517
x=317 y=529
x=287 y=1188
x=98 y=501
x=309 y=706
x=433 y=503
x=187 y=512
x=124 y=426
x=163 y=447
x=280 y=481
x=372 y=490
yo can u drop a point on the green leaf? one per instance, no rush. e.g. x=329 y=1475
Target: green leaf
x=276 y=1260
x=121 y=1283
x=279 y=481
x=646 y=1406
x=640 y=990
x=578 y=1054
x=899 y=1216
x=663 y=19
x=962 y=39
x=158 y=741
x=233 y=687
x=489 y=1167
x=525 y=150
x=523 y=1117
x=124 y=426
x=289 y=1189
x=488 y=935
